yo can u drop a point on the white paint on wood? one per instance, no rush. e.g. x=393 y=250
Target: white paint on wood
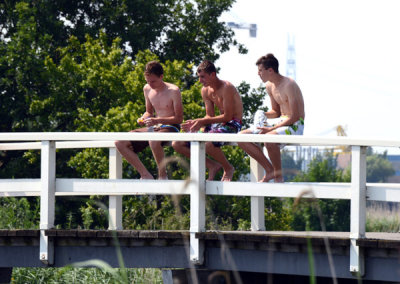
x=357 y=207
x=115 y=201
x=197 y=200
x=257 y=207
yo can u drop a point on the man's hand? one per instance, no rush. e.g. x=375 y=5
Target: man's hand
x=196 y=126
x=187 y=125
x=150 y=121
x=264 y=130
x=192 y=125
x=140 y=120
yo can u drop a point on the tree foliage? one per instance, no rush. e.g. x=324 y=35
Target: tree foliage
x=187 y=30
x=378 y=167
x=309 y=213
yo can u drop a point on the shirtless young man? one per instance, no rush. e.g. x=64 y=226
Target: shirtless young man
x=225 y=97
x=287 y=106
x=164 y=100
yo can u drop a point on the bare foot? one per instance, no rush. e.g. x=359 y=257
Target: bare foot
x=267 y=177
x=279 y=179
x=213 y=170
x=228 y=174
x=163 y=178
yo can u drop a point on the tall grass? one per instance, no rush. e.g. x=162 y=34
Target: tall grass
x=73 y=275
x=383 y=217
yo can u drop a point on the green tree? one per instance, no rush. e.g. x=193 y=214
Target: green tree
x=252 y=101
x=187 y=30
x=335 y=213
x=290 y=167
x=378 y=167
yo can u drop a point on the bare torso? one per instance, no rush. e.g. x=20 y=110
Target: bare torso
x=224 y=92
x=286 y=98
x=162 y=100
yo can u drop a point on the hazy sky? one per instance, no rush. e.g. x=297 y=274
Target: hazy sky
x=347 y=59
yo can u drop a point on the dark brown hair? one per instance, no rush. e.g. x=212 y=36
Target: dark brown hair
x=154 y=67
x=269 y=61
x=206 y=66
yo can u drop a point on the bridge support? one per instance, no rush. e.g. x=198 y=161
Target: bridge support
x=257 y=203
x=358 y=207
x=115 y=202
x=197 y=200
x=47 y=200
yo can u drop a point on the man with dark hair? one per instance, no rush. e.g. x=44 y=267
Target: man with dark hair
x=223 y=95
x=286 y=116
x=164 y=113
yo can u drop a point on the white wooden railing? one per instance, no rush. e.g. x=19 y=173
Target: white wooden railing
x=48 y=186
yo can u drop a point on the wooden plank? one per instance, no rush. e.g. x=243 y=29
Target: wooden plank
x=116 y=187
x=20 y=187
x=202 y=137
x=287 y=189
x=389 y=192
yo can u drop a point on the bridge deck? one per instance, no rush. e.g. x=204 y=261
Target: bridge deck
x=372 y=239
x=279 y=252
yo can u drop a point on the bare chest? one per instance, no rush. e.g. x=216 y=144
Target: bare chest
x=217 y=100
x=161 y=101
x=279 y=95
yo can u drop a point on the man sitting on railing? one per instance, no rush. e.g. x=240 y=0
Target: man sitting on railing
x=288 y=110
x=225 y=97
x=163 y=99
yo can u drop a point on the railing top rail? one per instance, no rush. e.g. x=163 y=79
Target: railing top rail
x=112 y=136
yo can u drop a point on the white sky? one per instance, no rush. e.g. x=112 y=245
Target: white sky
x=347 y=59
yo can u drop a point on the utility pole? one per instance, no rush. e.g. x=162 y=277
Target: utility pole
x=291 y=58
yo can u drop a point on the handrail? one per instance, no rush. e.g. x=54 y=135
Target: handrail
x=200 y=137
x=358 y=191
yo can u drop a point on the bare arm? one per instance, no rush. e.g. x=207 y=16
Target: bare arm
x=275 y=110
x=149 y=107
x=293 y=111
x=227 y=113
x=194 y=125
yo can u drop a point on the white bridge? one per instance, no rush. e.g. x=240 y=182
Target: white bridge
x=48 y=186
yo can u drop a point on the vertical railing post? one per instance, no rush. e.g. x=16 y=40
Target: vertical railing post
x=115 y=201
x=197 y=200
x=47 y=199
x=257 y=203
x=357 y=207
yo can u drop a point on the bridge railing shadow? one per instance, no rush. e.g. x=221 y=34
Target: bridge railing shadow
x=48 y=186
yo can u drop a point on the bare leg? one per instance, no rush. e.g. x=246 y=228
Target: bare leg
x=125 y=148
x=219 y=156
x=158 y=153
x=257 y=154
x=274 y=153
x=212 y=166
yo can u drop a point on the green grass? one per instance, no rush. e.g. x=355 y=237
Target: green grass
x=71 y=275
x=383 y=218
